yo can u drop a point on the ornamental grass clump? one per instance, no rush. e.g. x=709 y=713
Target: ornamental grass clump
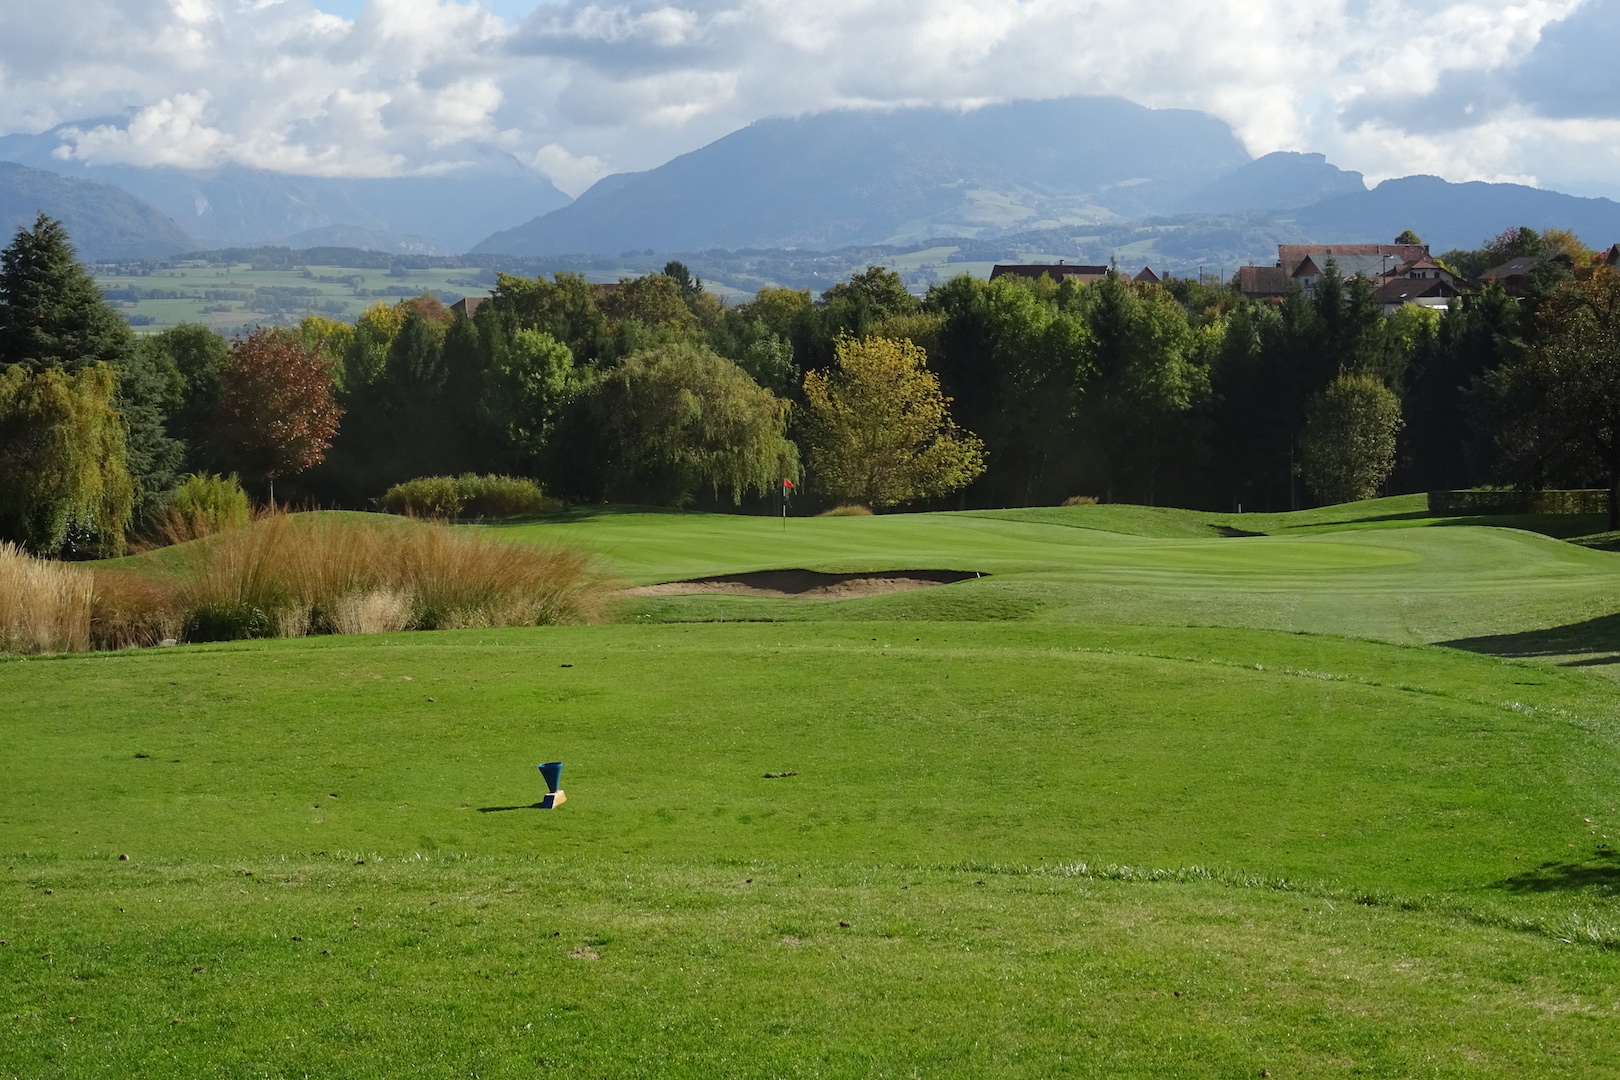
x=287 y=575
x=44 y=605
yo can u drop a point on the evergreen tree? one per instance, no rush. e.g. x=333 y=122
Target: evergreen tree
x=52 y=313
x=53 y=316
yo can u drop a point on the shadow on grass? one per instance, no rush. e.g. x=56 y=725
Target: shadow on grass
x=1549 y=877
x=1599 y=635
x=1557 y=526
x=502 y=809
x=589 y=513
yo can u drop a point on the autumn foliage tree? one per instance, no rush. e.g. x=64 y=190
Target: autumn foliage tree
x=880 y=429
x=276 y=414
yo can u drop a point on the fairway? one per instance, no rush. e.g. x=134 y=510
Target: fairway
x=1027 y=825
x=1382 y=570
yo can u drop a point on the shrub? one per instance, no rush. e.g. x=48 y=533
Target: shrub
x=502 y=496
x=468 y=495
x=44 y=605
x=203 y=505
x=849 y=510
x=426 y=497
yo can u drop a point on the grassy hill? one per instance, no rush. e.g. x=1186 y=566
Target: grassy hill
x=1035 y=824
x=1384 y=569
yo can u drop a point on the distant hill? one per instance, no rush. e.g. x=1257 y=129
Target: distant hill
x=241 y=206
x=1451 y=216
x=866 y=177
x=1279 y=181
x=103 y=221
x=352 y=236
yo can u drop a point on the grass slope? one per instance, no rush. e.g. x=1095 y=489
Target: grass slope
x=1036 y=825
x=1367 y=570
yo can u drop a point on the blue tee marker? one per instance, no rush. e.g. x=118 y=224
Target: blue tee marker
x=551 y=772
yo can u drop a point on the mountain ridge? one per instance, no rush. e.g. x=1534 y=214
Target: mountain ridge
x=105 y=221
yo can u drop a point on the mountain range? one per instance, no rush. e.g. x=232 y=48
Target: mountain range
x=239 y=206
x=1094 y=174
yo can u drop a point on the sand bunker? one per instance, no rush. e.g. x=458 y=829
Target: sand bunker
x=808 y=584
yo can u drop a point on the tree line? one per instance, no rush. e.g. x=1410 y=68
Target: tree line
x=1006 y=392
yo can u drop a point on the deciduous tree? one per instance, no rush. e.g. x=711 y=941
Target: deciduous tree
x=1348 y=448
x=276 y=412
x=1563 y=395
x=880 y=430
x=675 y=420
x=62 y=458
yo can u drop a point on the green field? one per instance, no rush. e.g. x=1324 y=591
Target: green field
x=1151 y=798
x=228 y=297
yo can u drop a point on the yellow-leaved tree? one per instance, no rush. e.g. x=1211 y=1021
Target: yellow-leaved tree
x=880 y=430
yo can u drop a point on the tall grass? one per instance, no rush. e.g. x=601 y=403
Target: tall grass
x=287 y=575
x=44 y=605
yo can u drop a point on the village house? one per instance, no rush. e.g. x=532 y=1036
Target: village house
x=1401 y=273
x=1060 y=271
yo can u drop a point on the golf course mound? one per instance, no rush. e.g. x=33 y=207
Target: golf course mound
x=808 y=584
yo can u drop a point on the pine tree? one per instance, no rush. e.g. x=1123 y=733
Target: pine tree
x=52 y=313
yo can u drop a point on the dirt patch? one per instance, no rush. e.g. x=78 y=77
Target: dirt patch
x=808 y=584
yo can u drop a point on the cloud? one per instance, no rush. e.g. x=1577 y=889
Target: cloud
x=1468 y=89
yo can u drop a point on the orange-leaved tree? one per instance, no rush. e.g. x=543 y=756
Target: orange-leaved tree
x=276 y=415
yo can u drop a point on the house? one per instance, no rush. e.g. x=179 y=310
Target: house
x=1432 y=292
x=1058 y=271
x=1262 y=282
x=1401 y=273
x=1514 y=275
x=467 y=305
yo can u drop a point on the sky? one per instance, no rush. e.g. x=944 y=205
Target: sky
x=1525 y=91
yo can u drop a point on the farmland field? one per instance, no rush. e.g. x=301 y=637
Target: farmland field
x=1152 y=797
x=229 y=297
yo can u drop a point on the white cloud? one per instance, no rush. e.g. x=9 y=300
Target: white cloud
x=582 y=87
x=572 y=174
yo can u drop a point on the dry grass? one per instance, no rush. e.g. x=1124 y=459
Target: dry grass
x=44 y=605
x=1080 y=500
x=847 y=511
x=376 y=612
x=286 y=575
x=133 y=610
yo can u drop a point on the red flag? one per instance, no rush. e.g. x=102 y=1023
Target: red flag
x=786 y=483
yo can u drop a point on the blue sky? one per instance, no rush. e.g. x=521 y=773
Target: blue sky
x=1506 y=90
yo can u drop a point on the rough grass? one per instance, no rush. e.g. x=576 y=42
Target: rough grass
x=287 y=575
x=44 y=605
